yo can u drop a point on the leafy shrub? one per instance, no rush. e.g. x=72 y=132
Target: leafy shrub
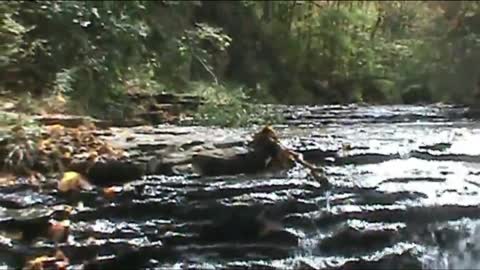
x=229 y=106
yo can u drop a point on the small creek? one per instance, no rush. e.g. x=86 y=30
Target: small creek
x=405 y=195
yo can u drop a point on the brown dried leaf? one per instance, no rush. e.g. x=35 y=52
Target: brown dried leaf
x=59 y=260
x=7 y=179
x=56 y=130
x=109 y=192
x=58 y=229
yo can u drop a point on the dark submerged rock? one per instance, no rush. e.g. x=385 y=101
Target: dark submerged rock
x=24 y=198
x=368 y=158
x=263 y=153
x=437 y=146
x=351 y=239
x=134 y=259
x=405 y=260
x=242 y=226
x=215 y=163
x=33 y=224
x=115 y=172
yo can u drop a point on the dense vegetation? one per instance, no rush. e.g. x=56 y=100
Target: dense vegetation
x=91 y=54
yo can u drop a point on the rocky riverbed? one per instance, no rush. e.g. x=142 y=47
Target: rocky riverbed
x=404 y=195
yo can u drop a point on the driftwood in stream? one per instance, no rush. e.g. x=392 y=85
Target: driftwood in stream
x=265 y=153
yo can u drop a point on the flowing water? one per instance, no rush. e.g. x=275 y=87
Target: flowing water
x=405 y=195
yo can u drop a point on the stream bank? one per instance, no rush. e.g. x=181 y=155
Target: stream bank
x=404 y=195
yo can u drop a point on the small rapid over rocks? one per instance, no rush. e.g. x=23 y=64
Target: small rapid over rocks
x=405 y=183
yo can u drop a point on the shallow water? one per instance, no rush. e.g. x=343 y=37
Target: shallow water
x=405 y=195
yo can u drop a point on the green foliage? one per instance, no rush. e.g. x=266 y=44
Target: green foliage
x=201 y=43
x=63 y=83
x=11 y=34
x=7 y=119
x=93 y=51
x=240 y=53
x=229 y=106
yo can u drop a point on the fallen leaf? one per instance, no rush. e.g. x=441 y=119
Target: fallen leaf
x=67 y=155
x=55 y=130
x=93 y=156
x=73 y=181
x=43 y=144
x=37 y=263
x=58 y=230
x=6 y=179
x=110 y=192
x=59 y=262
x=105 y=149
x=61 y=265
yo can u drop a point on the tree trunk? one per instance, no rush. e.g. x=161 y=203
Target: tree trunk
x=291 y=13
x=267 y=11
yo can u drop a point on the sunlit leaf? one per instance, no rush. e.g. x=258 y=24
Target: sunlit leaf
x=73 y=181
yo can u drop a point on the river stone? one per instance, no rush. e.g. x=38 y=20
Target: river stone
x=436 y=147
x=405 y=260
x=134 y=259
x=32 y=222
x=473 y=112
x=115 y=172
x=169 y=165
x=24 y=199
x=236 y=160
x=247 y=226
x=303 y=265
x=351 y=238
x=71 y=121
